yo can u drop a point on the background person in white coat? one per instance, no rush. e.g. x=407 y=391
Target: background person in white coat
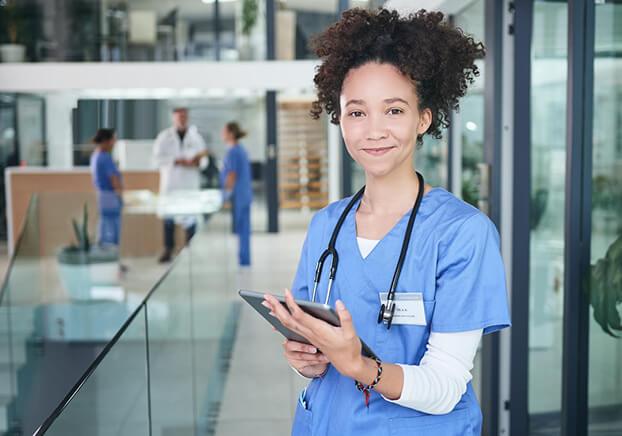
x=178 y=151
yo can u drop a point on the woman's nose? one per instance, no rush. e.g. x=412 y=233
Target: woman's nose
x=377 y=128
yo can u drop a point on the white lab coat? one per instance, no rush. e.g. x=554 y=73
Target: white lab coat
x=167 y=148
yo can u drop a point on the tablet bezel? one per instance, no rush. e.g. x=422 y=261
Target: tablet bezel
x=317 y=310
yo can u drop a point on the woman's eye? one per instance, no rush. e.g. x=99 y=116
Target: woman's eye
x=395 y=111
x=356 y=114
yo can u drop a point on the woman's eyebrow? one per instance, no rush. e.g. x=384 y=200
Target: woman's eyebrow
x=386 y=100
x=355 y=101
x=395 y=100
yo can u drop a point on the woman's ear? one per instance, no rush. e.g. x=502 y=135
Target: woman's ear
x=425 y=120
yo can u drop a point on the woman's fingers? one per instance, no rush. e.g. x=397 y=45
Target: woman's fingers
x=345 y=319
x=283 y=315
x=297 y=351
x=307 y=358
x=299 y=346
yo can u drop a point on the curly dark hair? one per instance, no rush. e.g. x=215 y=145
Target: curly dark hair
x=438 y=58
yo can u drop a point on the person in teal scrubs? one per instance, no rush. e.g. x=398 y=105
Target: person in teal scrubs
x=236 y=182
x=388 y=81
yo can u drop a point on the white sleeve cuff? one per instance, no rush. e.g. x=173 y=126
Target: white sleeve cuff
x=440 y=380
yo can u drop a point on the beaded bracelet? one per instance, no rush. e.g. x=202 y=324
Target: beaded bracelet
x=366 y=389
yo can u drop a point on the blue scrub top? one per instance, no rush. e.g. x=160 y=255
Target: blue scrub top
x=102 y=167
x=236 y=160
x=453 y=259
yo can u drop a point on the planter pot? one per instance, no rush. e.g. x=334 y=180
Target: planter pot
x=12 y=53
x=245 y=49
x=80 y=271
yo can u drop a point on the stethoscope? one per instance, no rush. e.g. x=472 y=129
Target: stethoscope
x=386 y=310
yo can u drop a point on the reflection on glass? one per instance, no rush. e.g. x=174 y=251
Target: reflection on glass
x=605 y=358
x=146 y=30
x=170 y=351
x=297 y=22
x=431 y=160
x=113 y=400
x=470 y=127
x=548 y=152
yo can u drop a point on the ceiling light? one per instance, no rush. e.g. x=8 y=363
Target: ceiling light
x=470 y=125
x=208 y=2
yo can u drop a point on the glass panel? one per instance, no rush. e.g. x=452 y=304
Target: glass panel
x=548 y=157
x=468 y=122
x=296 y=24
x=468 y=133
x=114 y=399
x=214 y=314
x=605 y=359
x=136 y=30
x=17 y=330
x=8 y=151
x=30 y=129
x=471 y=131
x=170 y=352
x=61 y=307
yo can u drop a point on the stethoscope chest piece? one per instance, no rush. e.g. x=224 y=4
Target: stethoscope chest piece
x=386 y=314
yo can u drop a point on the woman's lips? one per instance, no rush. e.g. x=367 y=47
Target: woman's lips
x=379 y=151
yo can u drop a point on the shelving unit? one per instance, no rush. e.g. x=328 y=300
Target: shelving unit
x=303 y=151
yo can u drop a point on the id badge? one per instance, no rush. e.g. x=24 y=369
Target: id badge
x=409 y=309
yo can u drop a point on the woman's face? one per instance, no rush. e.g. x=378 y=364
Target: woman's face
x=109 y=145
x=380 y=118
x=226 y=135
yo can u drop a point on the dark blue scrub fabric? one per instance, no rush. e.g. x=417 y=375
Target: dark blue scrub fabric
x=453 y=260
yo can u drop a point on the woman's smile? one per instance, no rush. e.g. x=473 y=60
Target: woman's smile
x=378 y=151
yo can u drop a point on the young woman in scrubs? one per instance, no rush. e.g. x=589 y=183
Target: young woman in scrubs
x=387 y=81
x=236 y=181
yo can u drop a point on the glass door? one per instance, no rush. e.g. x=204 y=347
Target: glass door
x=605 y=277
x=549 y=57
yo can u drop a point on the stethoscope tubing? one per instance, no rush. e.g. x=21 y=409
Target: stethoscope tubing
x=386 y=311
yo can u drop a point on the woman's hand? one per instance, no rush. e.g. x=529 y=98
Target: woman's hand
x=306 y=359
x=340 y=345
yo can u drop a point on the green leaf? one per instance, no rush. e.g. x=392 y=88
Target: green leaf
x=605 y=286
x=77 y=233
x=85 y=229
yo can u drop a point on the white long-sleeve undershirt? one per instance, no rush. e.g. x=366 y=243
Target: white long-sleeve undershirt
x=440 y=380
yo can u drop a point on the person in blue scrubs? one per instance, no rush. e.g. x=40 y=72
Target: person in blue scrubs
x=109 y=186
x=236 y=182
x=387 y=81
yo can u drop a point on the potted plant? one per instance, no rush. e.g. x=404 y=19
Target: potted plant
x=84 y=265
x=605 y=285
x=249 y=18
x=12 y=18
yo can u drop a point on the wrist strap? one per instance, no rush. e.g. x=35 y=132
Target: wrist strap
x=366 y=389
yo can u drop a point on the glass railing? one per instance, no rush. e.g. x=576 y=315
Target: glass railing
x=163 y=372
x=60 y=310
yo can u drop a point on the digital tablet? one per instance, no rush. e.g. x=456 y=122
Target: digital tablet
x=317 y=310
